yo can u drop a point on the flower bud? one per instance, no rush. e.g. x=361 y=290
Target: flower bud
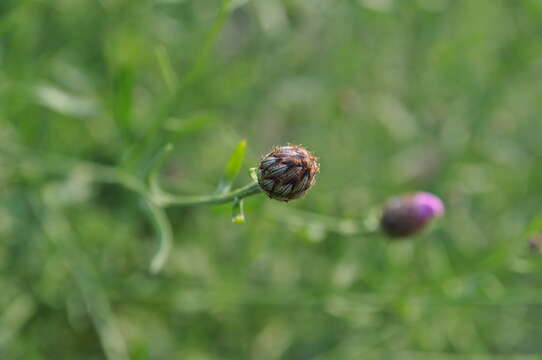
x=407 y=215
x=287 y=172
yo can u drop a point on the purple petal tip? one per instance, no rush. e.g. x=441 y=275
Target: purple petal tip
x=430 y=201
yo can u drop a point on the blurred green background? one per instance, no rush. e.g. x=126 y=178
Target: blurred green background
x=392 y=95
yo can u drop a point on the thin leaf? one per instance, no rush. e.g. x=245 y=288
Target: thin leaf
x=238 y=215
x=66 y=103
x=232 y=168
x=166 y=68
x=122 y=97
x=188 y=125
x=204 y=53
x=156 y=164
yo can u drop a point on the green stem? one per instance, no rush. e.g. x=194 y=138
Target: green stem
x=165 y=235
x=154 y=197
x=110 y=174
x=165 y=199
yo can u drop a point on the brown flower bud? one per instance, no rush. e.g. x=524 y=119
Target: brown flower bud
x=287 y=172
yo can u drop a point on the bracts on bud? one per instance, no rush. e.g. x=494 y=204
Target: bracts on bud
x=287 y=172
x=409 y=214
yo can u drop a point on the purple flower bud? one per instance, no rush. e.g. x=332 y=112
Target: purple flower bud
x=287 y=172
x=407 y=215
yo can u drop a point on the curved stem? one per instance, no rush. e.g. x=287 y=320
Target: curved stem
x=165 y=199
x=165 y=235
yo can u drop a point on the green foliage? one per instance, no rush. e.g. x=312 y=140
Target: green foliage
x=233 y=167
x=392 y=95
x=238 y=215
x=535 y=226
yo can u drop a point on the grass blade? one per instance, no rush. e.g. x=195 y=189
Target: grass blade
x=166 y=68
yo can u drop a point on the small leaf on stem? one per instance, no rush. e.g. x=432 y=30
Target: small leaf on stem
x=238 y=215
x=232 y=168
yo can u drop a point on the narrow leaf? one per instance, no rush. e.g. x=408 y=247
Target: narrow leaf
x=232 y=168
x=166 y=68
x=204 y=53
x=124 y=81
x=156 y=164
x=238 y=216
x=190 y=124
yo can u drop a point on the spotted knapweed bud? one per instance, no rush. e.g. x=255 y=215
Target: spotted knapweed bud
x=287 y=172
x=406 y=215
